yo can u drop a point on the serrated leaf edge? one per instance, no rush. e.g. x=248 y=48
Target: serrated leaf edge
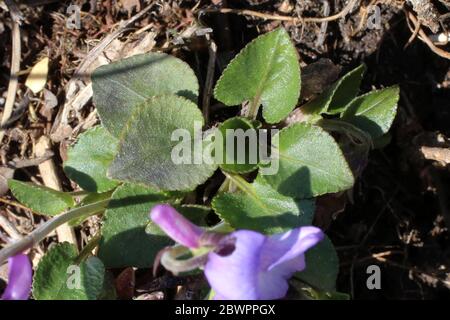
x=323 y=133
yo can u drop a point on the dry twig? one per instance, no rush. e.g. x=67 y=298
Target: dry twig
x=350 y=5
x=14 y=204
x=423 y=36
x=9 y=228
x=15 y=65
x=209 y=79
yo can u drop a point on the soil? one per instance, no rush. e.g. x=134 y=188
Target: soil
x=398 y=214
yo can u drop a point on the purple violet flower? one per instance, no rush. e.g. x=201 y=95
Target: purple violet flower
x=246 y=265
x=19 y=278
x=176 y=226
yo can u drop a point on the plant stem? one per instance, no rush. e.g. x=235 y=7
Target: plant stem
x=42 y=231
x=170 y=261
x=240 y=183
x=225 y=186
x=254 y=107
x=79 y=193
x=91 y=245
x=346 y=128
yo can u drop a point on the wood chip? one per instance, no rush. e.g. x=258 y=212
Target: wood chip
x=441 y=155
x=37 y=78
x=5 y=174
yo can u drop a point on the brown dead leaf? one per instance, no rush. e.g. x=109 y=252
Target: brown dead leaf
x=317 y=76
x=143 y=45
x=125 y=284
x=37 y=77
x=157 y=295
x=286 y=7
x=50 y=100
x=130 y=5
x=63 y=132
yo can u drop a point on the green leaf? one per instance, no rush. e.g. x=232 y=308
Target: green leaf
x=266 y=71
x=89 y=199
x=89 y=159
x=41 y=199
x=310 y=163
x=195 y=213
x=373 y=112
x=309 y=293
x=121 y=86
x=109 y=289
x=124 y=241
x=382 y=141
x=259 y=207
x=161 y=144
x=60 y=277
x=322 y=266
x=334 y=295
x=334 y=99
x=239 y=133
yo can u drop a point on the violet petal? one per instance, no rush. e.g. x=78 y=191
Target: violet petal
x=284 y=247
x=235 y=274
x=176 y=226
x=272 y=285
x=19 y=278
x=282 y=256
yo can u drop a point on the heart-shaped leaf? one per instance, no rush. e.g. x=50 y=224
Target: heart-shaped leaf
x=240 y=145
x=89 y=159
x=335 y=98
x=162 y=146
x=124 y=240
x=322 y=266
x=310 y=163
x=121 y=86
x=60 y=277
x=265 y=72
x=41 y=199
x=259 y=207
x=373 y=112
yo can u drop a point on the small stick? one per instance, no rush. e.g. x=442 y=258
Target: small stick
x=277 y=17
x=209 y=80
x=413 y=36
x=18 y=163
x=15 y=66
x=14 y=204
x=423 y=36
x=324 y=25
x=51 y=180
x=9 y=228
x=14 y=11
